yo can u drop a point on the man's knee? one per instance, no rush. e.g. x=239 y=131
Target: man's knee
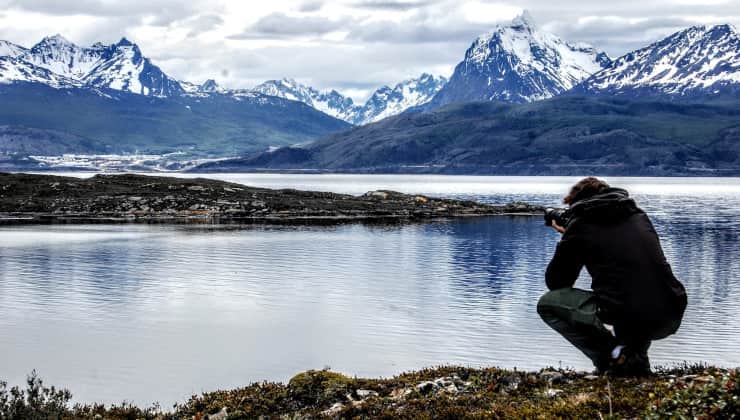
x=559 y=304
x=548 y=303
x=549 y=300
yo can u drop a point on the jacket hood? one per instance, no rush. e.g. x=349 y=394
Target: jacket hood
x=611 y=206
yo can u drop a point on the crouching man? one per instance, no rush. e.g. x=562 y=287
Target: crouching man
x=635 y=297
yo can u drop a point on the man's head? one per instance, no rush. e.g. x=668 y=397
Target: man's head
x=585 y=188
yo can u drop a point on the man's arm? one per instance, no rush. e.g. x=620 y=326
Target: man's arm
x=566 y=264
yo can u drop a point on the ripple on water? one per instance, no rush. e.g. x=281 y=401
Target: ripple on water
x=136 y=311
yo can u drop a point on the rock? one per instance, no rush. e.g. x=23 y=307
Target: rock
x=333 y=410
x=591 y=377
x=196 y=188
x=511 y=382
x=452 y=389
x=377 y=194
x=443 y=382
x=221 y=415
x=400 y=393
x=552 y=376
x=365 y=393
x=426 y=387
x=552 y=392
x=686 y=378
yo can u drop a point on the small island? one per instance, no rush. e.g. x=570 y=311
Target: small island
x=28 y=198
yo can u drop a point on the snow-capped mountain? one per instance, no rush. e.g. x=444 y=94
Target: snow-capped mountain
x=210 y=86
x=13 y=69
x=61 y=63
x=62 y=57
x=697 y=61
x=519 y=63
x=329 y=102
x=207 y=88
x=383 y=103
x=8 y=49
x=515 y=63
x=128 y=70
x=386 y=101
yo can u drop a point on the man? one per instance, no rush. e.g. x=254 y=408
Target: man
x=635 y=297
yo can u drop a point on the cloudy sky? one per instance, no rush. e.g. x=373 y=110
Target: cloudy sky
x=351 y=45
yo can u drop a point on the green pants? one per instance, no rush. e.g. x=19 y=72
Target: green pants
x=572 y=313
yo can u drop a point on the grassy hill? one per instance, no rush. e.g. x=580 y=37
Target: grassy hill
x=117 y=122
x=559 y=136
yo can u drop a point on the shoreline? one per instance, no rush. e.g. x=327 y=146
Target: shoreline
x=132 y=198
x=687 y=391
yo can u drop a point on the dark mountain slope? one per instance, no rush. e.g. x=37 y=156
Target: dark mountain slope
x=120 y=122
x=564 y=135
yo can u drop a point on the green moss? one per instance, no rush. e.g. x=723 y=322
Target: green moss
x=684 y=392
x=319 y=387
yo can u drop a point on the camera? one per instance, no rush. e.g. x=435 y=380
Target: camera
x=560 y=216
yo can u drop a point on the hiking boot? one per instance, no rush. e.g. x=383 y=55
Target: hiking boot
x=630 y=364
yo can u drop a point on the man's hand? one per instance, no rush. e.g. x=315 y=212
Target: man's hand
x=557 y=227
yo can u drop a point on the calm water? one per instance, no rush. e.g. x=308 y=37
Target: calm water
x=156 y=313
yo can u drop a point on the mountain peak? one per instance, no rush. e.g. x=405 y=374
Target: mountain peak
x=124 y=42
x=426 y=77
x=410 y=93
x=519 y=63
x=525 y=20
x=209 y=85
x=725 y=28
x=53 y=42
x=56 y=39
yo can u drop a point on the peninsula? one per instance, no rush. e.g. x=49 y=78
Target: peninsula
x=28 y=198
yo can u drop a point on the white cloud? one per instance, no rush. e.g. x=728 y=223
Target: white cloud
x=489 y=12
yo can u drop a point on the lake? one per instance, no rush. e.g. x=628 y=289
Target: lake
x=149 y=313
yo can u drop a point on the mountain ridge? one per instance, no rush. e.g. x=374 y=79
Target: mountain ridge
x=697 y=61
x=515 y=62
x=121 y=66
x=384 y=101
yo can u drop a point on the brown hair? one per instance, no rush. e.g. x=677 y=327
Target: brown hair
x=587 y=187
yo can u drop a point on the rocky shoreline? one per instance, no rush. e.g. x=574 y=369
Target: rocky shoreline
x=28 y=198
x=450 y=392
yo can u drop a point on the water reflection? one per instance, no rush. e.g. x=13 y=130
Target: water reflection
x=150 y=313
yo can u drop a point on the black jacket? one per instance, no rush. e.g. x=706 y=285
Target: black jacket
x=616 y=242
